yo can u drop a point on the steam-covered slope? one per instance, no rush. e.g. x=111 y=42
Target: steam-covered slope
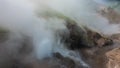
x=43 y=22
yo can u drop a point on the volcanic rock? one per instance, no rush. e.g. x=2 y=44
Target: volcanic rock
x=82 y=37
x=113 y=58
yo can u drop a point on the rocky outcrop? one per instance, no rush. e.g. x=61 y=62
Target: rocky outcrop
x=65 y=61
x=82 y=37
x=110 y=14
x=113 y=58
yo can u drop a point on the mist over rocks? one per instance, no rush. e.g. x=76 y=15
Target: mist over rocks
x=38 y=28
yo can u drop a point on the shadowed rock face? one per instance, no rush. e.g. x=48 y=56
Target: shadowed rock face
x=78 y=37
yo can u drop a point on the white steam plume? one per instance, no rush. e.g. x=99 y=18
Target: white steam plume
x=28 y=17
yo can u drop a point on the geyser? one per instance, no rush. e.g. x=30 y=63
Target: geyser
x=41 y=20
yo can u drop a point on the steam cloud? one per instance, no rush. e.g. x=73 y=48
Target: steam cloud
x=28 y=17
